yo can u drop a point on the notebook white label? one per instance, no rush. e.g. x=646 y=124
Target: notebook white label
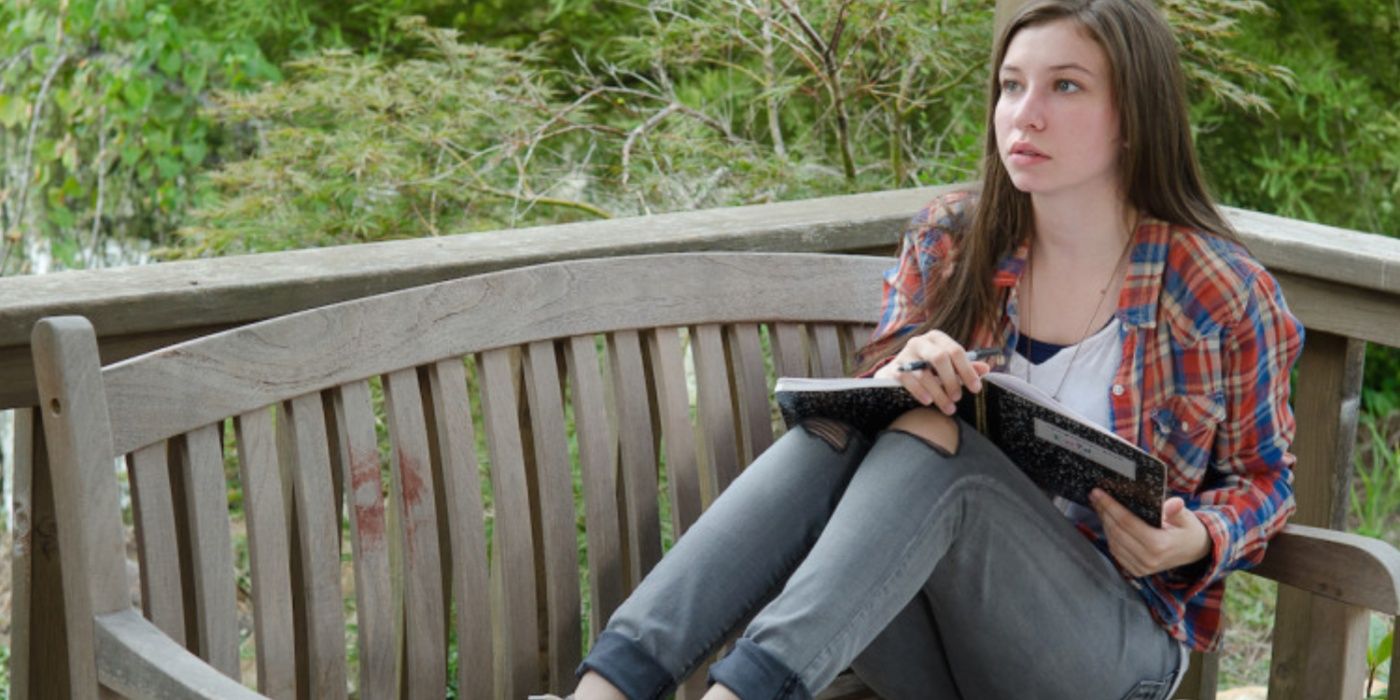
x=1063 y=438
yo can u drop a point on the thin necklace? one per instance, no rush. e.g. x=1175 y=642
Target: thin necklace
x=1088 y=327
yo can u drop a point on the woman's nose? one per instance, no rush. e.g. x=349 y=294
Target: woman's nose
x=1030 y=111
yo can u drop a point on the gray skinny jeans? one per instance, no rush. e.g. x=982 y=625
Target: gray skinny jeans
x=931 y=575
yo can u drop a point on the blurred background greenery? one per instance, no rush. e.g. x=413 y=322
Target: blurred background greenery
x=140 y=130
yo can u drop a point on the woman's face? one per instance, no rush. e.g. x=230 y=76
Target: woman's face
x=1056 y=124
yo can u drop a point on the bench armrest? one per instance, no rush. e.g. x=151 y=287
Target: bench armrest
x=1349 y=568
x=136 y=659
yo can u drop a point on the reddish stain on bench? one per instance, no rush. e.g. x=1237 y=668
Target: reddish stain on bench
x=368 y=497
x=414 y=490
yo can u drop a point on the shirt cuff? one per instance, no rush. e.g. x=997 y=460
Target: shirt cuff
x=1191 y=579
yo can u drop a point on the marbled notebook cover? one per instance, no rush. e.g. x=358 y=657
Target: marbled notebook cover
x=1061 y=452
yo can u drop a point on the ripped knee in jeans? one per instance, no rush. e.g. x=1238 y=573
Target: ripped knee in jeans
x=938 y=431
x=836 y=434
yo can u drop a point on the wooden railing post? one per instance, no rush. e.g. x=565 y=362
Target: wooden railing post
x=38 y=633
x=1327 y=406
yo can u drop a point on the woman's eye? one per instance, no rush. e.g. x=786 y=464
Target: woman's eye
x=1066 y=86
x=1010 y=86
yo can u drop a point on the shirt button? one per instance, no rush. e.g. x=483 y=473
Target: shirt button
x=1185 y=425
x=1118 y=389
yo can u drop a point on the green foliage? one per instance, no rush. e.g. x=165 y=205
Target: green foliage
x=1375 y=510
x=1376 y=656
x=359 y=148
x=1375 y=496
x=99 y=123
x=1330 y=150
x=703 y=104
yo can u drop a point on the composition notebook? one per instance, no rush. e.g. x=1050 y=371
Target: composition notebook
x=1062 y=452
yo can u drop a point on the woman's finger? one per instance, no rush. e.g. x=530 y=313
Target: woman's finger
x=946 y=378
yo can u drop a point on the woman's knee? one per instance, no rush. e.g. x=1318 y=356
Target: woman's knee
x=937 y=429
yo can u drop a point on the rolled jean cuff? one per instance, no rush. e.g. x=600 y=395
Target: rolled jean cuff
x=626 y=665
x=755 y=674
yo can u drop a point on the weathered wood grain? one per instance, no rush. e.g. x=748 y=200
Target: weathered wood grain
x=636 y=455
x=418 y=326
x=211 y=553
x=1327 y=401
x=153 y=513
x=1341 y=566
x=715 y=403
x=597 y=454
x=513 y=566
x=240 y=289
x=753 y=391
x=789 y=349
x=414 y=491
x=689 y=489
x=636 y=371
x=85 y=488
x=269 y=552
x=827 y=360
x=465 y=524
x=554 y=483
x=318 y=528
x=137 y=660
x=377 y=618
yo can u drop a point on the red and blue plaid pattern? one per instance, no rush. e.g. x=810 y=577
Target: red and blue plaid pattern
x=1203 y=384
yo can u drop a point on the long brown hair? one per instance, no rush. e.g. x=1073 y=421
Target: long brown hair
x=1158 y=169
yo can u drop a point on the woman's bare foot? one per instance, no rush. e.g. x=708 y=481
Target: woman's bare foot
x=595 y=687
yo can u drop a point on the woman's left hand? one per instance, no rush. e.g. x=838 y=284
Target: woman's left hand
x=1142 y=549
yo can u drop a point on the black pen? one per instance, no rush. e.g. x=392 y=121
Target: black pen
x=972 y=356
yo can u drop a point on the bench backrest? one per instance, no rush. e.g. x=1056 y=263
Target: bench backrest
x=586 y=385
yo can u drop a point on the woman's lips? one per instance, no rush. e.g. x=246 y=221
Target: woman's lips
x=1026 y=156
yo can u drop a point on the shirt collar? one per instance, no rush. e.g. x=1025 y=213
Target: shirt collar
x=1137 y=303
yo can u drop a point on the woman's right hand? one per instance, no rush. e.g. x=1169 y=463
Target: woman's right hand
x=948 y=371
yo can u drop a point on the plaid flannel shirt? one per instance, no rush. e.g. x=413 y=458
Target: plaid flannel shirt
x=1203 y=384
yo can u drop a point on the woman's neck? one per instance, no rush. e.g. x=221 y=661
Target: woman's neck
x=1081 y=232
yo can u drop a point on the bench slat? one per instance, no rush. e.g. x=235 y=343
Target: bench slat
x=637 y=452
x=513 y=568
x=411 y=467
x=826 y=351
x=597 y=460
x=206 y=499
x=789 y=357
x=318 y=534
x=687 y=487
x=465 y=524
x=715 y=404
x=264 y=510
x=153 y=508
x=556 y=513
x=755 y=396
x=378 y=621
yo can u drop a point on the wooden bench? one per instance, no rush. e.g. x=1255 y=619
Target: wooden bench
x=526 y=411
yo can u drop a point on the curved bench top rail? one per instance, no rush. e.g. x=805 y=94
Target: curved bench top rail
x=256 y=365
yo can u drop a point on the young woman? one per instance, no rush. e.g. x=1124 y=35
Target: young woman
x=925 y=560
